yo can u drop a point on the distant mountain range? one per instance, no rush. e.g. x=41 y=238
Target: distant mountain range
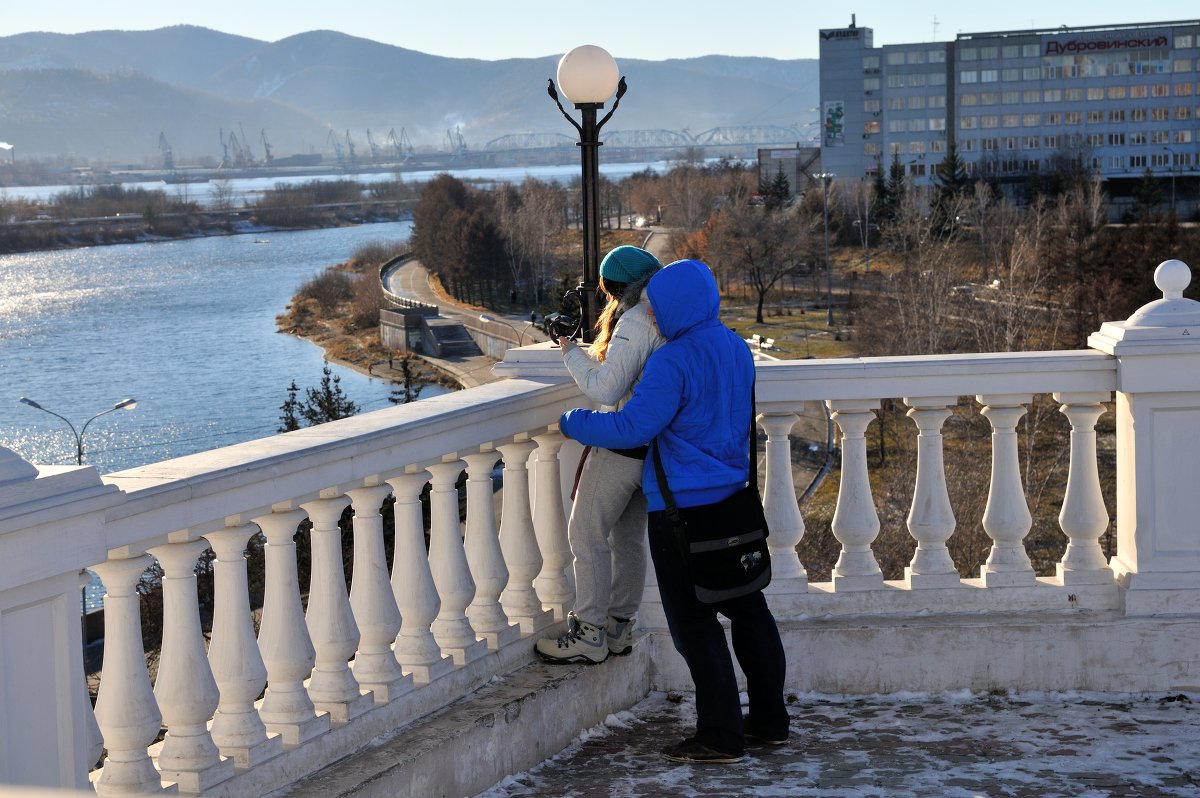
x=110 y=95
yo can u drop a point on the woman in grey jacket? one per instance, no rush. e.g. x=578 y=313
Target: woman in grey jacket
x=607 y=528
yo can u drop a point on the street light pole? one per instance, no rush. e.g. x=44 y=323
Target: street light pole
x=124 y=404
x=1171 y=166
x=520 y=335
x=825 y=178
x=588 y=76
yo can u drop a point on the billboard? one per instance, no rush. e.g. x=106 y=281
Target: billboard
x=833 y=114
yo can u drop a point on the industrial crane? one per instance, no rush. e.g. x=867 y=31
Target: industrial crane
x=267 y=157
x=337 y=149
x=401 y=146
x=167 y=153
x=374 y=147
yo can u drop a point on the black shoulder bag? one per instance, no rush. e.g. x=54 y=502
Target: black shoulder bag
x=724 y=544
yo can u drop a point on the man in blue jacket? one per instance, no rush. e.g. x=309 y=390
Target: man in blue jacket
x=694 y=403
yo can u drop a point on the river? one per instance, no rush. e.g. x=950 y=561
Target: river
x=185 y=327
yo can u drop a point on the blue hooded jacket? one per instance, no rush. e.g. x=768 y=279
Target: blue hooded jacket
x=693 y=399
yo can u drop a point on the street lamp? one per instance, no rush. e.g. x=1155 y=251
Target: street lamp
x=1171 y=166
x=520 y=335
x=826 y=178
x=124 y=404
x=588 y=76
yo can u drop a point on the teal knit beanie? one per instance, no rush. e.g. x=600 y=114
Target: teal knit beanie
x=627 y=264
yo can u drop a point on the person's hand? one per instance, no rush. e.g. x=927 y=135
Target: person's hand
x=564 y=344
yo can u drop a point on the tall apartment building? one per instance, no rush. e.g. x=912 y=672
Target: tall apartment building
x=1123 y=98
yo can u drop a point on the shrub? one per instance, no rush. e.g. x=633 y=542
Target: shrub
x=328 y=289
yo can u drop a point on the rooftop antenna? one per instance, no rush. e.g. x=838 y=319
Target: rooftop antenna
x=852 y=23
x=935 y=27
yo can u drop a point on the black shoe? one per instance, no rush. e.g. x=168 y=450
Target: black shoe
x=692 y=752
x=756 y=735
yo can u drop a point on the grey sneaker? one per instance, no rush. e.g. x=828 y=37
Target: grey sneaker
x=620 y=636
x=583 y=642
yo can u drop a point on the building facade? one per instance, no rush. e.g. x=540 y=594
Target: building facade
x=1116 y=100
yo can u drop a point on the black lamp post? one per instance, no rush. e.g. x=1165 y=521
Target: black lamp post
x=825 y=178
x=588 y=76
x=124 y=404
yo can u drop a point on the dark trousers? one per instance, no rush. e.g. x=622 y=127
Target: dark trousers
x=698 y=636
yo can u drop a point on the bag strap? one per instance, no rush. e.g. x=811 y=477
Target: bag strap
x=671 y=510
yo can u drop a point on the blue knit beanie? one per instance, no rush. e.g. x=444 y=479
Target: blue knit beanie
x=627 y=264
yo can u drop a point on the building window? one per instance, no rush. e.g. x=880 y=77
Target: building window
x=1159 y=137
x=988 y=145
x=936 y=78
x=896 y=126
x=937 y=123
x=1116 y=139
x=1031 y=120
x=872 y=106
x=895 y=58
x=1160 y=90
x=896 y=81
x=916 y=57
x=1116 y=114
x=1116 y=92
x=1181 y=65
x=1183 y=112
x=1183 y=89
x=1074 y=118
x=989 y=75
x=895 y=103
x=871 y=127
x=989 y=98
x=916 y=80
x=1031 y=142
x=1137 y=115
x=1139 y=92
x=895 y=148
x=989 y=121
x=1010 y=74
x=968 y=99
x=968 y=145
x=1181 y=137
x=988 y=52
x=968 y=76
x=1137 y=161
x=1160 y=159
x=1010 y=51
x=916 y=148
x=936 y=56
x=1031 y=96
x=1095 y=93
x=1031 y=50
x=937 y=145
x=936 y=100
x=967 y=122
x=872 y=149
x=968 y=54
x=870 y=62
x=870 y=84
x=1073 y=95
x=1052 y=95
x=1116 y=162
x=1010 y=120
x=1095 y=139
x=1183 y=41
x=1137 y=138
x=1054 y=118
x=1160 y=114
x=1050 y=141
x=1010 y=98
x=1031 y=73
x=1011 y=143
x=916 y=102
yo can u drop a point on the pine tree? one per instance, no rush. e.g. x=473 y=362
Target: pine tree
x=327 y=403
x=779 y=192
x=409 y=388
x=289 y=420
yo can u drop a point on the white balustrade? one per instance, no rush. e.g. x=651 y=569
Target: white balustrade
x=931 y=518
x=518 y=542
x=448 y=563
x=126 y=711
x=283 y=639
x=550 y=526
x=332 y=686
x=1083 y=517
x=185 y=688
x=374 y=606
x=780 y=506
x=233 y=654
x=1006 y=518
x=855 y=522
x=412 y=584
x=484 y=555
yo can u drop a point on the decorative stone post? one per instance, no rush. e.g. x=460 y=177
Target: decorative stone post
x=1083 y=517
x=781 y=507
x=855 y=522
x=930 y=518
x=448 y=563
x=1006 y=518
x=1158 y=448
x=550 y=525
x=519 y=543
x=484 y=554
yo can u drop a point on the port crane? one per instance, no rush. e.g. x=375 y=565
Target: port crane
x=267 y=157
x=374 y=147
x=168 y=154
x=402 y=148
x=337 y=149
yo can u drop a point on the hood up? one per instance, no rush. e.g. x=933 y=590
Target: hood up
x=684 y=296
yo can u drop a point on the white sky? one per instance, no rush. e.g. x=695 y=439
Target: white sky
x=494 y=29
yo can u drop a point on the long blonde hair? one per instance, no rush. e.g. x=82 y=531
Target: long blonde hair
x=608 y=318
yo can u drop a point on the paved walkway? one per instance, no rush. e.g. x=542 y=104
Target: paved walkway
x=906 y=746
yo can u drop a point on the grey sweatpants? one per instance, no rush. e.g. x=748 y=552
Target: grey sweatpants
x=607 y=532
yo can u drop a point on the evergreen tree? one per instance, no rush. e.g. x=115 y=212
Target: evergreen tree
x=327 y=403
x=409 y=388
x=289 y=420
x=885 y=203
x=779 y=192
x=951 y=176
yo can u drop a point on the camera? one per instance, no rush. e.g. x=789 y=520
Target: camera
x=568 y=321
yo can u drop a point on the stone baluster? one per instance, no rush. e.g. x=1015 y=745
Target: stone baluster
x=233 y=654
x=412 y=584
x=1006 y=518
x=185 y=688
x=283 y=640
x=931 y=518
x=448 y=564
x=1083 y=517
x=519 y=543
x=375 y=665
x=855 y=522
x=126 y=711
x=781 y=507
x=332 y=686
x=484 y=554
x=550 y=526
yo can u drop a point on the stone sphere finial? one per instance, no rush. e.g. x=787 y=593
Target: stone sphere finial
x=1172 y=277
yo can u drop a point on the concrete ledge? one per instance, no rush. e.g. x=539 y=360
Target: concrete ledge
x=509 y=725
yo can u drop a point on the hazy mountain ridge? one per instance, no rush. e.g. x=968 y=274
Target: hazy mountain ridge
x=301 y=87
